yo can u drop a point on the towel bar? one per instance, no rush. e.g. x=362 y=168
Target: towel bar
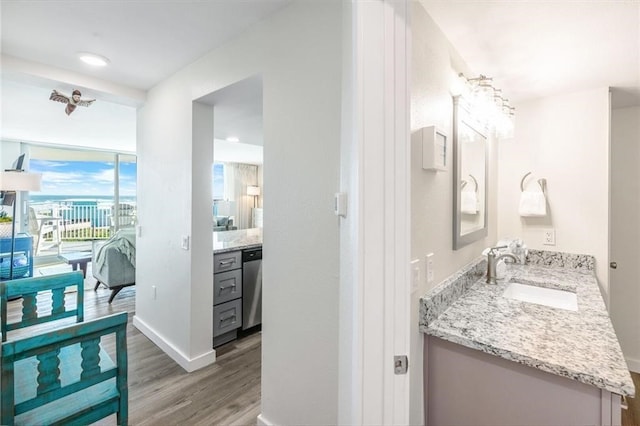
x=475 y=182
x=542 y=182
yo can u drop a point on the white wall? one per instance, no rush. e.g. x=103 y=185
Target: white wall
x=28 y=116
x=625 y=231
x=434 y=64
x=564 y=139
x=298 y=53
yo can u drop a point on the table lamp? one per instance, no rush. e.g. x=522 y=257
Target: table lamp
x=12 y=181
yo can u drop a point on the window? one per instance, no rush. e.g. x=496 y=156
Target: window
x=218 y=181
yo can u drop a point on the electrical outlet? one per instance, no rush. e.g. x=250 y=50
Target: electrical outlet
x=429 y=272
x=549 y=237
x=185 y=242
x=415 y=275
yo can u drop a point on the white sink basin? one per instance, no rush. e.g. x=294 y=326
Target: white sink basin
x=542 y=296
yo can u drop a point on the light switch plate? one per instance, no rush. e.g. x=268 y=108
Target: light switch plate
x=185 y=242
x=415 y=275
x=429 y=272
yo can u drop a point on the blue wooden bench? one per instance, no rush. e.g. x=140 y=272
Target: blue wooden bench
x=62 y=375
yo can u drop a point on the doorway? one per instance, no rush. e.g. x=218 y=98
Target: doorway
x=624 y=270
x=235 y=208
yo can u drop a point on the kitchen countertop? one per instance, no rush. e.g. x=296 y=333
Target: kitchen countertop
x=237 y=240
x=578 y=345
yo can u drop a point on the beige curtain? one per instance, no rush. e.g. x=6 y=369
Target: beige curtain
x=236 y=178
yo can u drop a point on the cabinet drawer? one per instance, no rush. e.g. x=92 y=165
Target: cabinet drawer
x=227 y=261
x=227 y=286
x=227 y=317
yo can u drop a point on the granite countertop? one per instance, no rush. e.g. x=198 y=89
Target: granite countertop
x=240 y=239
x=578 y=345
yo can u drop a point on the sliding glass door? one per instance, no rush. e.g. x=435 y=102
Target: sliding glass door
x=85 y=195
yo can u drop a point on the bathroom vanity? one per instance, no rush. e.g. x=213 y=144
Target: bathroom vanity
x=499 y=359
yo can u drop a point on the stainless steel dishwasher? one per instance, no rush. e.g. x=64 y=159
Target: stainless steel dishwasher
x=251 y=287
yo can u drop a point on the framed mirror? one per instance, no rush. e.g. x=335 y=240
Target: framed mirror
x=470 y=177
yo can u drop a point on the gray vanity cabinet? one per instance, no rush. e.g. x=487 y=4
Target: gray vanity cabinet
x=465 y=386
x=227 y=296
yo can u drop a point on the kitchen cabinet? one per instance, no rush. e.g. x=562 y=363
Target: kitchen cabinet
x=227 y=296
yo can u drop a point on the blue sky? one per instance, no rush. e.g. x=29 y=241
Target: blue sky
x=83 y=178
x=218 y=181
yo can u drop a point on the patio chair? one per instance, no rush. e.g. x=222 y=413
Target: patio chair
x=40 y=227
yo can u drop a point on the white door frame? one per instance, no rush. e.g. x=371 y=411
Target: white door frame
x=375 y=242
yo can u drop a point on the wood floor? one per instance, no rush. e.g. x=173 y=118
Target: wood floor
x=631 y=416
x=225 y=393
x=161 y=392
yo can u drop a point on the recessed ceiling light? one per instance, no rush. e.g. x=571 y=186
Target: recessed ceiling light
x=93 y=59
x=233 y=139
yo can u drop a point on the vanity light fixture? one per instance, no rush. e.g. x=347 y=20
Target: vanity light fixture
x=487 y=104
x=93 y=59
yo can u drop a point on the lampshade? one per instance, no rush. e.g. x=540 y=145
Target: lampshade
x=20 y=181
x=253 y=190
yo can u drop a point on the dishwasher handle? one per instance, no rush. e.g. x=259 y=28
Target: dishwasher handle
x=251 y=254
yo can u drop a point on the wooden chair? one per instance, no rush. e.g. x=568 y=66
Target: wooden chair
x=62 y=375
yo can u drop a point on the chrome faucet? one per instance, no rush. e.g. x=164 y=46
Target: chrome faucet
x=492 y=260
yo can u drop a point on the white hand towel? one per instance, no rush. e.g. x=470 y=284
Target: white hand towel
x=469 y=202
x=533 y=203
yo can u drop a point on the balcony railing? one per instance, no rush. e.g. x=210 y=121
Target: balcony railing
x=84 y=220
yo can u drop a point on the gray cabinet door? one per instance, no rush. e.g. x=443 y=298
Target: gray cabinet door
x=227 y=286
x=227 y=317
x=227 y=261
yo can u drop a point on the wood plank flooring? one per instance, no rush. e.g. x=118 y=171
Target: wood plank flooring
x=631 y=416
x=160 y=391
x=225 y=393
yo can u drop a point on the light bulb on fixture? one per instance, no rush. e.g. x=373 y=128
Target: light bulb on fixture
x=93 y=59
x=487 y=104
x=458 y=84
x=233 y=139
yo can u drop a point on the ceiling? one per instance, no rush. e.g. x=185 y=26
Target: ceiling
x=237 y=111
x=540 y=48
x=146 y=41
x=532 y=49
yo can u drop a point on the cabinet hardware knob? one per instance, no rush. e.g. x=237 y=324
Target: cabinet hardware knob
x=613 y=265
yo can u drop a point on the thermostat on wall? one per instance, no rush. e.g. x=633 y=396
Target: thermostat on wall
x=434 y=148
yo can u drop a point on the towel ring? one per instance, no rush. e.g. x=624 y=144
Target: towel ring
x=542 y=182
x=475 y=182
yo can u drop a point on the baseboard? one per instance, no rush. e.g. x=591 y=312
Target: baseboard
x=183 y=361
x=633 y=364
x=262 y=421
